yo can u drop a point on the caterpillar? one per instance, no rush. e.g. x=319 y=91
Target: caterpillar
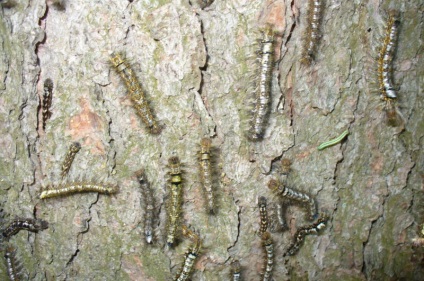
x=149 y=205
x=69 y=158
x=312 y=33
x=299 y=237
x=76 y=187
x=285 y=166
x=13 y=267
x=47 y=101
x=263 y=88
x=236 y=270
x=16 y=225
x=174 y=207
x=277 y=221
x=136 y=93
x=206 y=173
x=191 y=254
x=263 y=214
x=333 y=141
x=291 y=194
x=269 y=260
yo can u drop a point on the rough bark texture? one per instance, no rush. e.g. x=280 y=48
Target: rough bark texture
x=193 y=65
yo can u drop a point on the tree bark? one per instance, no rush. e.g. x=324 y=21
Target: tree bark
x=193 y=64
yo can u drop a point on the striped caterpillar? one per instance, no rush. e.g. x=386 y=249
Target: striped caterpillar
x=69 y=158
x=191 y=254
x=174 y=207
x=136 y=93
x=12 y=265
x=76 y=187
x=312 y=33
x=277 y=219
x=236 y=270
x=149 y=205
x=333 y=141
x=263 y=214
x=206 y=173
x=16 y=225
x=269 y=261
x=291 y=194
x=47 y=100
x=263 y=87
x=299 y=237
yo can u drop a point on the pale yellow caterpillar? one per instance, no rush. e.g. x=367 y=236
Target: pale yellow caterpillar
x=174 y=206
x=75 y=187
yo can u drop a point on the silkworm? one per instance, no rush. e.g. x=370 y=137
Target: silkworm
x=16 y=225
x=333 y=141
x=69 y=158
x=149 y=205
x=13 y=267
x=47 y=101
x=312 y=33
x=263 y=88
x=263 y=214
x=174 y=207
x=136 y=93
x=236 y=270
x=385 y=58
x=291 y=194
x=76 y=187
x=269 y=258
x=191 y=254
x=299 y=237
x=206 y=173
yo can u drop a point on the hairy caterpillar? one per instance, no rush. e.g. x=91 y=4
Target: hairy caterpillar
x=299 y=237
x=69 y=158
x=149 y=205
x=333 y=141
x=285 y=166
x=291 y=194
x=76 y=187
x=277 y=220
x=136 y=93
x=263 y=87
x=47 y=100
x=206 y=173
x=12 y=265
x=174 y=207
x=263 y=214
x=191 y=254
x=16 y=225
x=312 y=33
x=269 y=260
x=236 y=270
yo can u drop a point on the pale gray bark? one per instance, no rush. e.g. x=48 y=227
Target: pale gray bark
x=193 y=65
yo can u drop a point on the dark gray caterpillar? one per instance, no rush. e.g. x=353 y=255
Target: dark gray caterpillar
x=291 y=194
x=12 y=265
x=299 y=237
x=191 y=254
x=277 y=219
x=47 y=101
x=69 y=158
x=175 y=203
x=16 y=225
x=149 y=205
x=269 y=260
x=263 y=214
x=236 y=270
x=312 y=33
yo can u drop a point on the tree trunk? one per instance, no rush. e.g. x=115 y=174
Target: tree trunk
x=193 y=64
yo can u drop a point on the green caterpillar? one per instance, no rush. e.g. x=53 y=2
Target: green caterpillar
x=333 y=141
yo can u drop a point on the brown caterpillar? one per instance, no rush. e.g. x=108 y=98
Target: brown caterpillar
x=236 y=270
x=269 y=260
x=47 y=101
x=136 y=93
x=191 y=254
x=291 y=194
x=174 y=206
x=312 y=33
x=12 y=265
x=263 y=214
x=263 y=87
x=76 y=187
x=206 y=173
x=285 y=166
x=299 y=237
x=149 y=205
x=69 y=158
x=16 y=225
